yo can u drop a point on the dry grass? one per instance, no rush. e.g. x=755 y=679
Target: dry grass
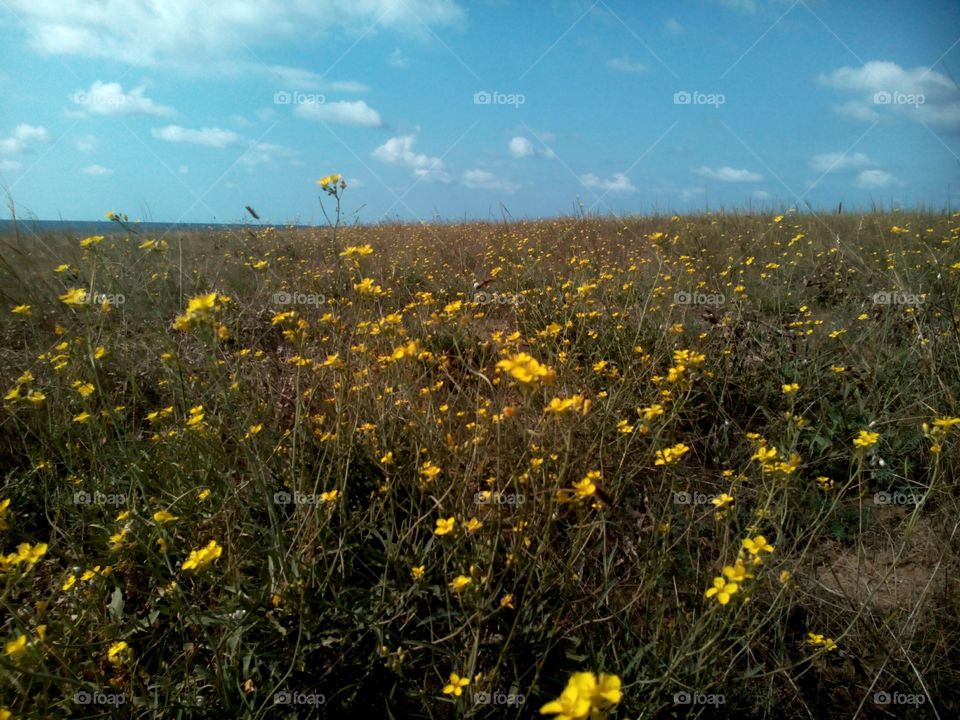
x=318 y=597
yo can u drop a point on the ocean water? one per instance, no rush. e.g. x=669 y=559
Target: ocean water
x=106 y=227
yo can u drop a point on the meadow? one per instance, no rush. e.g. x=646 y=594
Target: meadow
x=642 y=467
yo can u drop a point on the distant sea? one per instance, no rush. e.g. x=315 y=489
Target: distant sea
x=105 y=227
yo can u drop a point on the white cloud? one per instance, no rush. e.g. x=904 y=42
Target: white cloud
x=625 y=64
x=342 y=112
x=760 y=195
x=617 y=183
x=186 y=33
x=398 y=59
x=858 y=110
x=747 y=7
x=483 y=180
x=838 y=162
x=299 y=79
x=672 y=27
x=86 y=143
x=183 y=170
x=521 y=147
x=211 y=137
x=882 y=86
x=265 y=154
x=9 y=165
x=109 y=99
x=399 y=151
x=23 y=139
x=96 y=170
x=875 y=179
x=727 y=174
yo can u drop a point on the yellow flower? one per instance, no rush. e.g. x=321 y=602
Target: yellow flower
x=575 y=402
x=722 y=589
x=670 y=455
x=445 y=526
x=586 y=487
x=203 y=494
x=757 y=544
x=459 y=583
x=69 y=583
x=22 y=310
x=721 y=500
x=358 y=250
x=118 y=653
x=329 y=496
x=818 y=639
x=198 y=559
x=472 y=525
x=429 y=470
x=866 y=439
x=198 y=310
x=15 y=647
x=368 y=287
x=74 y=297
x=456 y=685
x=163 y=516
x=526 y=369
x=329 y=180
x=5 y=514
x=736 y=573
x=417 y=571
x=28 y=554
x=584 y=697
x=790 y=389
x=85 y=389
x=649 y=413
x=764 y=454
x=94 y=240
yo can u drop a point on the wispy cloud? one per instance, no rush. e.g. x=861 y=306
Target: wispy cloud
x=616 y=183
x=343 y=112
x=727 y=174
x=108 y=98
x=211 y=137
x=24 y=139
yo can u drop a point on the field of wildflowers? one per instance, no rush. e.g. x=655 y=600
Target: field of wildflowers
x=585 y=467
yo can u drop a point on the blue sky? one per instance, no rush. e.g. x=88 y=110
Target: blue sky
x=187 y=111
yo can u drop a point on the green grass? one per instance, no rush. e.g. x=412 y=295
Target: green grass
x=317 y=598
